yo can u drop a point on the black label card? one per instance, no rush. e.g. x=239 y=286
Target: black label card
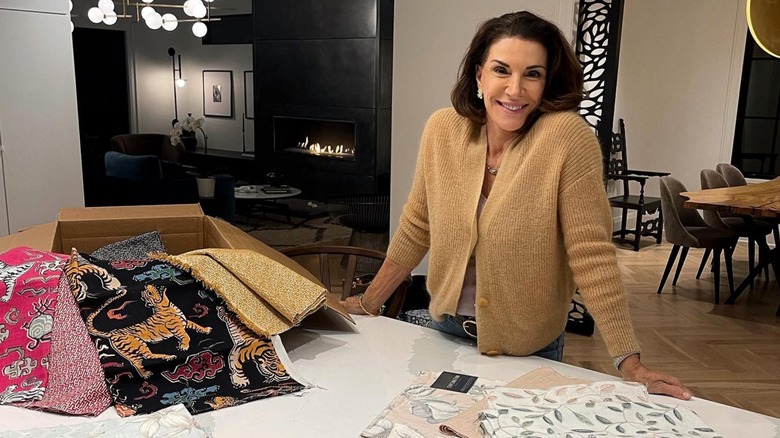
x=454 y=382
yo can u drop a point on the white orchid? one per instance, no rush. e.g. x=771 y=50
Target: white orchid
x=188 y=125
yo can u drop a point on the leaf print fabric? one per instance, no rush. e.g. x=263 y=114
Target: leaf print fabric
x=420 y=409
x=164 y=339
x=28 y=297
x=601 y=409
x=171 y=422
x=466 y=424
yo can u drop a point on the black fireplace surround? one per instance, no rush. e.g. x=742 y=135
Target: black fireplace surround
x=321 y=64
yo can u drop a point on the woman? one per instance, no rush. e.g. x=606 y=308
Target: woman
x=509 y=200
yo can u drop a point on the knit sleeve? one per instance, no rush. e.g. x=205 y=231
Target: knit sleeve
x=411 y=240
x=586 y=223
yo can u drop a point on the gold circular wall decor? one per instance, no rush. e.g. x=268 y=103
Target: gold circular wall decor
x=763 y=17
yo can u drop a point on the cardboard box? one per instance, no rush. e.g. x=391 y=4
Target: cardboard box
x=182 y=227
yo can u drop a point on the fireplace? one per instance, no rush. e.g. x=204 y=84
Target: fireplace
x=323 y=87
x=328 y=139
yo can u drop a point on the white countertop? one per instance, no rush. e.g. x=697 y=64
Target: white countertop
x=358 y=371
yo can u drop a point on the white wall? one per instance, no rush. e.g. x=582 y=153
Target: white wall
x=154 y=84
x=39 y=136
x=678 y=84
x=429 y=40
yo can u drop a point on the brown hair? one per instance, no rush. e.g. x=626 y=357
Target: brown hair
x=563 y=90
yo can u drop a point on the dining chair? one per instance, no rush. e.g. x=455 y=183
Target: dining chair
x=685 y=228
x=731 y=174
x=616 y=168
x=756 y=231
x=337 y=268
x=735 y=178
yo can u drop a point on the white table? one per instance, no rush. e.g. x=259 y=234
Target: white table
x=360 y=370
x=255 y=194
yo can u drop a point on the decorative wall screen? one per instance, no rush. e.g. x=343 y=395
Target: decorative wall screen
x=598 y=49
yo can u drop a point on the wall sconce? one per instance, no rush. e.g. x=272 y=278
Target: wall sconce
x=178 y=82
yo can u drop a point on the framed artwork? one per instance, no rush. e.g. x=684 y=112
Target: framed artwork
x=218 y=93
x=249 y=94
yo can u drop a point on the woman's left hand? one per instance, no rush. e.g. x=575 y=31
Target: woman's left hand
x=656 y=382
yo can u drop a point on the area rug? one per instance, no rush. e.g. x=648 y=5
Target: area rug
x=278 y=234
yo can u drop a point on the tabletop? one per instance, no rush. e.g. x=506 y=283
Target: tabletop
x=357 y=370
x=255 y=192
x=760 y=199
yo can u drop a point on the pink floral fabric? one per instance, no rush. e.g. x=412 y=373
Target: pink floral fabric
x=76 y=384
x=28 y=297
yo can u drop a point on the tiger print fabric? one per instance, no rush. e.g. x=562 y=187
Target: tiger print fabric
x=28 y=297
x=164 y=339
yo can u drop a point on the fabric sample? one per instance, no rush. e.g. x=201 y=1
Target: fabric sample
x=163 y=339
x=419 y=410
x=133 y=248
x=171 y=422
x=28 y=297
x=76 y=383
x=466 y=424
x=601 y=409
x=267 y=296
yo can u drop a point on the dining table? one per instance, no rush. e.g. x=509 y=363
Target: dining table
x=355 y=371
x=759 y=200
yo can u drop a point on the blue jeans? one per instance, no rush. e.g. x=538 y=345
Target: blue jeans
x=454 y=325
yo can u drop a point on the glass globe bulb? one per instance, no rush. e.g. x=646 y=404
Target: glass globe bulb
x=147 y=1
x=95 y=15
x=154 y=21
x=208 y=1
x=199 y=10
x=106 y=6
x=199 y=29
x=145 y=11
x=72 y=27
x=189 y=7
x=169 y=22
x=110 y=18
x=70 y=5
x=181 y=82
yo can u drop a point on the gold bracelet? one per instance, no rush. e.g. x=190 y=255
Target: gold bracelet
x=360 y=303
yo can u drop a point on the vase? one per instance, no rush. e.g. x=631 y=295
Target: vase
x=189 y=140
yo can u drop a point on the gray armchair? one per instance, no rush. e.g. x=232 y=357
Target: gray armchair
x=685 y=228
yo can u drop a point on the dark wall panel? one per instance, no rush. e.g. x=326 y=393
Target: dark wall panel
x=305 y=19
x=317 y=72
x=230 y=29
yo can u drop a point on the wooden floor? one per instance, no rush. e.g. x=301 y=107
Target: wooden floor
x=725 y=353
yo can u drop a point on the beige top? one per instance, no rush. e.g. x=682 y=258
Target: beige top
x=546 y=226
x=468 y=295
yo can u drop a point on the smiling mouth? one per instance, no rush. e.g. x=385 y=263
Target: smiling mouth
x=512 y=107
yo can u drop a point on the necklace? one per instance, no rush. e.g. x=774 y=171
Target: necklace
x=492 y=170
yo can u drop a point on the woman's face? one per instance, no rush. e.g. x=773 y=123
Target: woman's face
x=512 y=81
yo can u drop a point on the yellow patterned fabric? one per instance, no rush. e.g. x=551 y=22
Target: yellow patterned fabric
x=267 y=296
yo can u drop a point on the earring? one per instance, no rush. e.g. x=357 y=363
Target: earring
x=479 y=94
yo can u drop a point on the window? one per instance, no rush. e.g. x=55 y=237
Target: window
x=757 y=134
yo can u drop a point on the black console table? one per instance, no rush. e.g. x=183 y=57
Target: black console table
x=242 y=167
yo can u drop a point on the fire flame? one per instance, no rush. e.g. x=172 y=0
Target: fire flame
x=317 y=149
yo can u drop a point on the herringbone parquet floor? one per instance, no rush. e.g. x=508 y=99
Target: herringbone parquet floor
x=725 y=353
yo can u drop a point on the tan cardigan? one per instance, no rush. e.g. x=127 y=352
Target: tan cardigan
x=546 y=226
